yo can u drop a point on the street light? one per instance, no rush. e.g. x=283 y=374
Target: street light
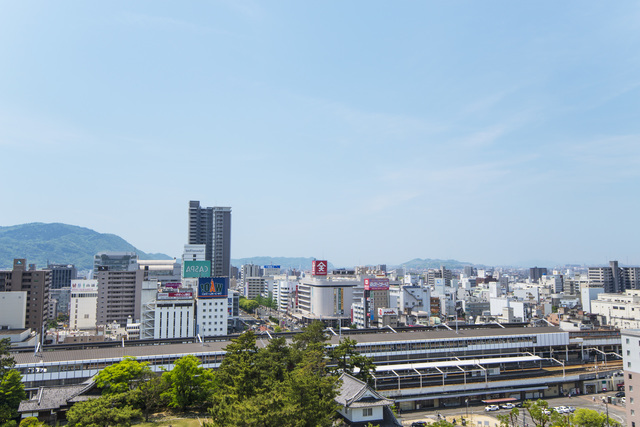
x=606 y=405
x=467 y=402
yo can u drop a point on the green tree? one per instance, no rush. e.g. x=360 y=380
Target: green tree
x=150 y=396
x=123 y=376
x=11 y=387
x=539 y=412
x=510 y=419
x=105 y=411
x=310 y=391
x=283 y=385
x=347 y=360
x=589 y=418
x=188 y=384
x=31 y=422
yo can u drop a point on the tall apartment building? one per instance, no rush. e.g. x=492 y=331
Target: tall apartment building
x=536 y=273
x=119 y=287
x=614 y=279
x=441 y=273
x=212 y=227
x=36 y=284
x=62 y=275
x=631 y=361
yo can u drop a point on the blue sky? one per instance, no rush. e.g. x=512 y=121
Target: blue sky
x=362 y=132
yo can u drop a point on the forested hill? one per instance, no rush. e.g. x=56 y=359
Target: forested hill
x=61 y=244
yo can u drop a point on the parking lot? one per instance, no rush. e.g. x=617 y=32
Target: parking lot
x=488 y=419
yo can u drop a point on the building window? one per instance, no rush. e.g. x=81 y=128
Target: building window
x=629 y=365
x=367 y=412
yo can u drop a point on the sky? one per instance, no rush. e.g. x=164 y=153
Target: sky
x=362 y=132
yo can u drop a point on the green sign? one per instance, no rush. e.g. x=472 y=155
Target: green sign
x=196 y=269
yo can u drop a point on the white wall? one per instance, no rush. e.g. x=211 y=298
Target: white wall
x=13 y=309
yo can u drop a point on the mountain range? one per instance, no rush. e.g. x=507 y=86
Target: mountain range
x=57 y=243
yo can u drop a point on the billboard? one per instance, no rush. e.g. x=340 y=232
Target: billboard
x=319 y=268
x=376 y=284
x=173 y=285
x=387 y=312
x=213 y=287
x=271 y=266
x=175 y=295
x=196 y=269
x=84 y=285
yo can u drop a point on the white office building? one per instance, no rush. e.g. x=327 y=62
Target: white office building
x=83 y=304
x=212 y=317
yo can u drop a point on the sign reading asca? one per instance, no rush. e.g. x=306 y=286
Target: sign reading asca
x=196 y=269
x=213 y=287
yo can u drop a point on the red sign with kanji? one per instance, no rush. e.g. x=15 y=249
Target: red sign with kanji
x=319 y=268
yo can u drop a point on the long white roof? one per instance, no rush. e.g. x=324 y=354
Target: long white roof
x=455 y=363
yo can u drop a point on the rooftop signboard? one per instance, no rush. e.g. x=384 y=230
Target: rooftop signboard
x=196 y=269
x=376 y=284
x=213 y=287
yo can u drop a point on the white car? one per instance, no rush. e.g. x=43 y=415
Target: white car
x=508 y=406
x=491 y=408
x=546 y=411
x=561 y=409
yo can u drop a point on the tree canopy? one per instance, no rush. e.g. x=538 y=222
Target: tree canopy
x=11 y=387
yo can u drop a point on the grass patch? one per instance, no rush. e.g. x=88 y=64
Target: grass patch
x=174 y=421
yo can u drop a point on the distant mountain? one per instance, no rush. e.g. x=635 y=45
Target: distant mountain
x=425 y=264
x=60 y=244
x=283 y=262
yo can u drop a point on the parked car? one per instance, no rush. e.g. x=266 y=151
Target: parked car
x=491 y=408
x=508 y=406
x=519 y=405
x=570 y=408
x=620 y=394
x=419 y=424
x=623 y=400
x=546 y=411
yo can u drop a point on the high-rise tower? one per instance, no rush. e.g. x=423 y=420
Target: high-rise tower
x=212 y=227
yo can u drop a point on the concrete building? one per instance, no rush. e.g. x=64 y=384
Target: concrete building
x=536 y=273
x=194 y=253
x=36 y=284
x=118 y=295
x=631 y=363
x=212 y=227
x=319 y=298
x=588 y=294
x=212 y=312
x=83 y=304
x=441 y=273
x=253 y=287
x=170 y=314
x=13 y=309
x=621 y=311
x=614 y=278
x=164 y=271
x=115 y=261
x=62 y=275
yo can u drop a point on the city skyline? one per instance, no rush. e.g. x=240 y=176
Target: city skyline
x=362 y=133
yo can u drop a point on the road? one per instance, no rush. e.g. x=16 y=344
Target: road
x=616 y=412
